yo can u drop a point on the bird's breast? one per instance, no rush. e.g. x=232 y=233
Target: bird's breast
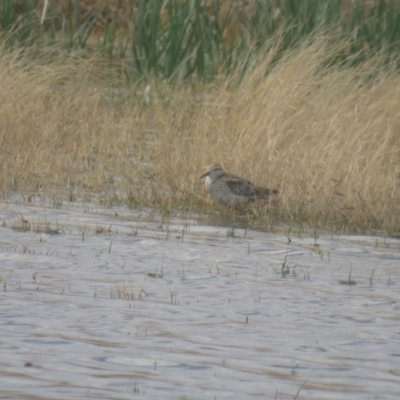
x=208 y=183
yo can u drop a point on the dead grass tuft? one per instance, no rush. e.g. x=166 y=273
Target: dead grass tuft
x=327 y=138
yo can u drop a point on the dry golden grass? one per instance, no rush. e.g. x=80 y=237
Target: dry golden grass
x=327 y=138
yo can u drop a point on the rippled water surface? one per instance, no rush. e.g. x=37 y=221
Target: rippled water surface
x=116 y=307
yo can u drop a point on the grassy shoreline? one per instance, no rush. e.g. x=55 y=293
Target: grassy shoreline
x=325 y=136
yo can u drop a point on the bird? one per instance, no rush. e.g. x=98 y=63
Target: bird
x=230 y=190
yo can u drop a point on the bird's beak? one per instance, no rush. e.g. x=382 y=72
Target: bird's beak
x=203 y=176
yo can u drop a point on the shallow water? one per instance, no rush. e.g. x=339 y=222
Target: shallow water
x=115 y=307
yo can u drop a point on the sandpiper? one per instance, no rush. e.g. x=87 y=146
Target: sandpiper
x=230 y=190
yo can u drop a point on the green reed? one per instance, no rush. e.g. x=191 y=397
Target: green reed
x=173 y=39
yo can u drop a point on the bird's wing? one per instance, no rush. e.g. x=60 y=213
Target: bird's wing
x=240 y=187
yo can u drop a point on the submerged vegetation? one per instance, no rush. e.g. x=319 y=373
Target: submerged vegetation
x=302 y=96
